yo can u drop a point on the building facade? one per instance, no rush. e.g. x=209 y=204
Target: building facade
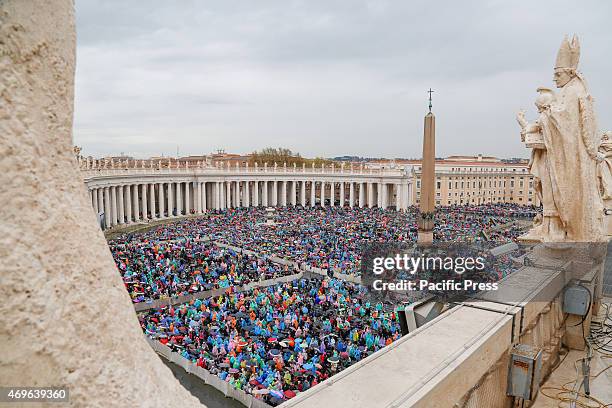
x=473 y=180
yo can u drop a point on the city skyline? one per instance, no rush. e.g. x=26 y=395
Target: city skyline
x=322 y=79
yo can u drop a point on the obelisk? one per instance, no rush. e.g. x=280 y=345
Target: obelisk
x=428 y=178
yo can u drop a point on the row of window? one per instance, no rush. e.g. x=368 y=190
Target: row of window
x=477 y=200
x=480 y=184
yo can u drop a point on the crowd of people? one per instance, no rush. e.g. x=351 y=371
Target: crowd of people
x=497 y=209
x=457 y=225
x=155 y=269
x=332 y=237
x=276 y=341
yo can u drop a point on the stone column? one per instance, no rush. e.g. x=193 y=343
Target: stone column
x=408 y=195
x=303 y=194
x=145 y=211
x=322 y=194
x=120 y=207
x=204 y=198
x=384 y=193
x=152 y=201
x=265 y=194
x=223 y=195
x=198 y=194
x=135 y=203
x=332 y=194
x=275 y=193
x=256 y=193
x=217 y=194
x=179 y=199
x=170 y=201
x=294 y=193
x=128 y=203
x=228 y=194
x=313 y=186
x=398 y=197
x=187 y=198
x=351 y=194
x=284 y=193
x=94 y=197
x=114 y=205
x=342 y=194
x=160 y=198
x=362 y=195
x=236 y=194
x=100 y=200
x=247 y=194
x=107 y=207
x=370 y=195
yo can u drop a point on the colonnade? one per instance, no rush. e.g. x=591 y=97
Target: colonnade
x=133 y=202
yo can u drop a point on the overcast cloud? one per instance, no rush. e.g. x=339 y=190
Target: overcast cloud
x=324 y=78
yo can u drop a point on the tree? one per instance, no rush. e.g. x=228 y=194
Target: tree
x=282 y=155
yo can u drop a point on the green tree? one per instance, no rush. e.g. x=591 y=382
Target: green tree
x=282 y=155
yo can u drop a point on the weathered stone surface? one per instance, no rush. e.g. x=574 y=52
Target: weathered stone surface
x=65 y=317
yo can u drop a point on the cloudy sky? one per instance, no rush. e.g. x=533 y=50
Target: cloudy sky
x=323 y=78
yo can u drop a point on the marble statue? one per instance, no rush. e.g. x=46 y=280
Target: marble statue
x=565 y=157
x=604 y=178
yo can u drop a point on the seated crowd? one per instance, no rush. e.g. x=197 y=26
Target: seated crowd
x=157 y=269
x=276 y=341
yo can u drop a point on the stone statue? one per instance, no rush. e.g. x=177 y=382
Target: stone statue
x=548 y=224
x=604 y=178
x=565 y=142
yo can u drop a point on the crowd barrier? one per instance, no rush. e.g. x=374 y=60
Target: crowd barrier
x=237 y=249
x=222 y=386
x=336 y=273
x=142 y=306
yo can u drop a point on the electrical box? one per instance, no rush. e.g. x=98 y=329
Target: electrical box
x=524 y=371
x=576 y=300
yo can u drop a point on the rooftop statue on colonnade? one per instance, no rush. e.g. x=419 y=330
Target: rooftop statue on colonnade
x=565 y=157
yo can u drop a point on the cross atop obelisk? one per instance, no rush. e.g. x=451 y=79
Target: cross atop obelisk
x=428 y=178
